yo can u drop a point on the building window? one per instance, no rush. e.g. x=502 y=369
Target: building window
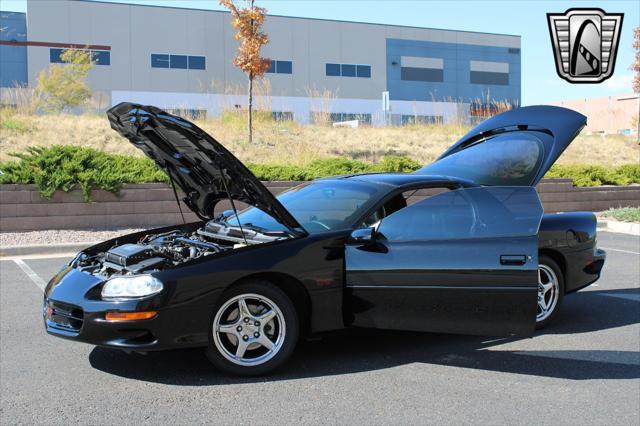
x=363 y=71
x=421 y=119
x=485 y=72
x=348 y=70
x=333 y=70
x=282 y=115
x=197 y=62
x=178 y=62
x=421 y=74
x=349 y=116
x=496 y=78
x=514 y=50
x=100 y=57
x=159 y=61
x=182 y=62
x=280 y=67
x=188 y=113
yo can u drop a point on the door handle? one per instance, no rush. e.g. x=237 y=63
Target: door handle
x=513 y=259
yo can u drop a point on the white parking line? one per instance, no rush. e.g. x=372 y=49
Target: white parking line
x=619 y=250
x=31 y=274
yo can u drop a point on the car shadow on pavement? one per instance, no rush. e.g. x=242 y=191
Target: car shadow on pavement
x=359 y=350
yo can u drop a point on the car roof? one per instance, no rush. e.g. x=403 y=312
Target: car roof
x=403 y=179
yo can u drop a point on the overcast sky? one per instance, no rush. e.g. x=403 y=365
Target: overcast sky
x=540 y=83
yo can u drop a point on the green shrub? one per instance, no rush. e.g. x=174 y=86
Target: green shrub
x=624 y=214
x=587 y=175
x=397 y=164
x=66 y=168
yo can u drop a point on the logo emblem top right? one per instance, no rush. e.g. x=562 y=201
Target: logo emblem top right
x=585 y=43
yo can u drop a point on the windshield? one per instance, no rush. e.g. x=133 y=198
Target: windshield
x=510 y=159
x=318 y=206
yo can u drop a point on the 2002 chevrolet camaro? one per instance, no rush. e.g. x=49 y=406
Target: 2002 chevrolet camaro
x=460 y=246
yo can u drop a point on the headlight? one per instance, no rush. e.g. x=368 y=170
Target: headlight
x=134 y=286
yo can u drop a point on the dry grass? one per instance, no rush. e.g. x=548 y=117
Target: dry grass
x=288 y=142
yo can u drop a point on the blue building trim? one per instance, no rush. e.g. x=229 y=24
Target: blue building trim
x=13 y=66
x=456 y=84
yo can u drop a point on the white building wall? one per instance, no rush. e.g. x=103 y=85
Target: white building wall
x=134 y=32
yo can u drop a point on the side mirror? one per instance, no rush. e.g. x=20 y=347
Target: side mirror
x=227 y=213
x=363 y=236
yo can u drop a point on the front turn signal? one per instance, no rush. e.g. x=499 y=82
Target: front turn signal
x=130 y=316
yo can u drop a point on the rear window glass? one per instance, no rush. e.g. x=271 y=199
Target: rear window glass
x=509 y=159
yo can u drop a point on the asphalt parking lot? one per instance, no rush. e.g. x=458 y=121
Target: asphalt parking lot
x=583 y=369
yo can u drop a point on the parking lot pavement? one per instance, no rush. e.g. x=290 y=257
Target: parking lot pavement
x=583 y=369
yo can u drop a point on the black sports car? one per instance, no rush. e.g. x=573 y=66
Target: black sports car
x=461 y=246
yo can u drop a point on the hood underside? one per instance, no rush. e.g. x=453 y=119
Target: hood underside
x=198 y=164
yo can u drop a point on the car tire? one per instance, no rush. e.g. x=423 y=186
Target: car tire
x=240 y=347
x=550 y=291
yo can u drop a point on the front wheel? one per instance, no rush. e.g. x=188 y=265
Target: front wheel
x=550 y=291
x=254 y=329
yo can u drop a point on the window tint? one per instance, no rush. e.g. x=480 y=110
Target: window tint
x=421 y=74
x=272 y=67
x=101 y=57
x=496 y=78
x=333 y=70
x=348 y=70
x=363 y=71
x=178 y=61
x=467 y=213
x=159 y=61
x=508 y=159
x=197 y=62
x=284 y=67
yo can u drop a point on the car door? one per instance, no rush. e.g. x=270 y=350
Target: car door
x=463 y=261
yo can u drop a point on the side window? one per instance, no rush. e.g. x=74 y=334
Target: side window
x=399 y=202
x=467 y=213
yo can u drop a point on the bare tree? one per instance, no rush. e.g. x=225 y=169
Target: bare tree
x=248 y=23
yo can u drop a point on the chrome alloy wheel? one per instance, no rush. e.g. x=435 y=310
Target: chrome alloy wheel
x=548 y=292
x=249 y=329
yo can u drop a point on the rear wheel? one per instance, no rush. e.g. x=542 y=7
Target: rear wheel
x=254 y=329
x=550 y=290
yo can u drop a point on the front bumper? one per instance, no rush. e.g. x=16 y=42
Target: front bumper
x=72 y=309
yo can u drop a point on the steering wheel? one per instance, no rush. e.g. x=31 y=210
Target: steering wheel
x=317 y=222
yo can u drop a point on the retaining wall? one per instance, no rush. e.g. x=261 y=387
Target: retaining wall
x=149 y=205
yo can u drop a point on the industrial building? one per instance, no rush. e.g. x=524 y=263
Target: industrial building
x=179 y=58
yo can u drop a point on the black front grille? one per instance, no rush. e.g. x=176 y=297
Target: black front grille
x=65 y=316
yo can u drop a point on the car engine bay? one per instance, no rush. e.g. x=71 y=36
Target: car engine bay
x=153 y=252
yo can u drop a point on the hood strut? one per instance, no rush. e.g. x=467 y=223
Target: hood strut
x=175 y=193
x=233 y=206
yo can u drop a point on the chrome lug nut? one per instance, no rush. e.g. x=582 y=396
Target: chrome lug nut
x=256 y=334
x=245 y=337
x=257 y=323
x=246 y=319
x=239 y=328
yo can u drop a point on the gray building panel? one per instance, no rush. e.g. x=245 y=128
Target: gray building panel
x=456 y=83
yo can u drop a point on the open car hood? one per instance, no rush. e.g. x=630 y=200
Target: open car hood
x=197 y=163
x=502 y=149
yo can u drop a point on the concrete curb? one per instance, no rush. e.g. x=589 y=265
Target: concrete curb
x=43 y=249
x=621 y=227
